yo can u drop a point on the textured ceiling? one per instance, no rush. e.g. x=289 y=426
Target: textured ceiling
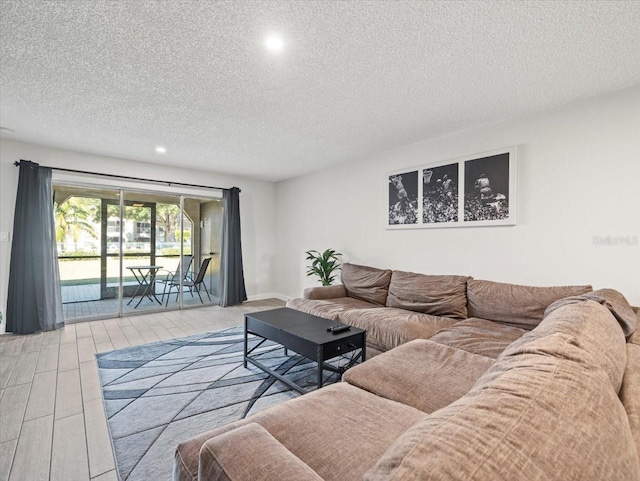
x=355 y=77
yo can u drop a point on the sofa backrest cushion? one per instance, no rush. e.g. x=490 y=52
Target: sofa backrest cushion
x=435 y=295
x=515 y=304
x=545 y=410
x=609 y=298
x=366 y=283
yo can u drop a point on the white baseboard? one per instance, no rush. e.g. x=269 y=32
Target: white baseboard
x=269 y=295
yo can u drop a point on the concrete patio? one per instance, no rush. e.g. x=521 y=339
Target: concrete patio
x=84 y=301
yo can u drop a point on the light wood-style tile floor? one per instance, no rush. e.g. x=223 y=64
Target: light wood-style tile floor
x=52 y=422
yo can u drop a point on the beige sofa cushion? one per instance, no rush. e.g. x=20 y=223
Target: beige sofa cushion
x=336 y=446
x=366 y=283
x=630 y=391
x=329 y=309
x=612 y=300
x=515 y=304
x=544 y=412
x=387 y=327
x=261 y=457
x=479 y=336
x=594 y=329
x=435 y=295
x=422 y=374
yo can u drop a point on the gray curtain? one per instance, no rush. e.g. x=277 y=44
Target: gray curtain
x=35 y=301
x=231 y=272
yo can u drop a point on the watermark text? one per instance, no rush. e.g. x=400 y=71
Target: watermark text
x=616 y=240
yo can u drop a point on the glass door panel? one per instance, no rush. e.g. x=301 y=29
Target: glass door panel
x=168 y=236
x=81 y=245
x=112 y=235
x=144 y=256
x=202 y=224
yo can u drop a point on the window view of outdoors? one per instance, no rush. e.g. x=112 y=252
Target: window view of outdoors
x=88 y=236
x=78 y=241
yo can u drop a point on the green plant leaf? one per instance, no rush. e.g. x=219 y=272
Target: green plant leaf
x=323 y=265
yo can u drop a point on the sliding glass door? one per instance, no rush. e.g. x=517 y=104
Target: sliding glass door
x=123 y=252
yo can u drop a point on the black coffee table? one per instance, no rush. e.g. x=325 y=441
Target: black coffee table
x=304 y=334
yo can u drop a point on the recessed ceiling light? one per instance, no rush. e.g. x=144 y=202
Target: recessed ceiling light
x=160 y=149
x=274 y=43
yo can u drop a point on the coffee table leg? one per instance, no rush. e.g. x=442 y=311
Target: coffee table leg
x=246 y=342
x=364 y=347
x=320 y=364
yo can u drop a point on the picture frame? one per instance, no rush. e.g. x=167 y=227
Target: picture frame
x=470 y=191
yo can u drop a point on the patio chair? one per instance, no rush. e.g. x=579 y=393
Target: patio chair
x=193 y=284
x=174 y=277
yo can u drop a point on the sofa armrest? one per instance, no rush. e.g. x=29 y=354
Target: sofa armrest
x=249 y=453
x=325 y=292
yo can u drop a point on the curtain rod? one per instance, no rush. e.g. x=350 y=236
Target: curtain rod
x=126 y=177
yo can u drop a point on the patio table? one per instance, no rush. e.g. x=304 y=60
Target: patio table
x=146 y=276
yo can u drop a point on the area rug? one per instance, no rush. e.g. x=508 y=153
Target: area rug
x=160 y=394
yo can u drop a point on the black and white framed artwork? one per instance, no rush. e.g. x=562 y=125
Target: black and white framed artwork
x=486 y=189
x=476 y=190
x=440 y=194
x=403 y=198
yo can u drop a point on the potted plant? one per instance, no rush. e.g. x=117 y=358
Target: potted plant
x=323 y=265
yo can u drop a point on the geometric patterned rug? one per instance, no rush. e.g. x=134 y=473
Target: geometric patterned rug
x=160 y=394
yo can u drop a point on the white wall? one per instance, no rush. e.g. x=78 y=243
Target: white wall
x=578 y=177
x=257 y=203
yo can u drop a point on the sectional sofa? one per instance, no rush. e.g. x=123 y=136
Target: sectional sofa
x=475 y=380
